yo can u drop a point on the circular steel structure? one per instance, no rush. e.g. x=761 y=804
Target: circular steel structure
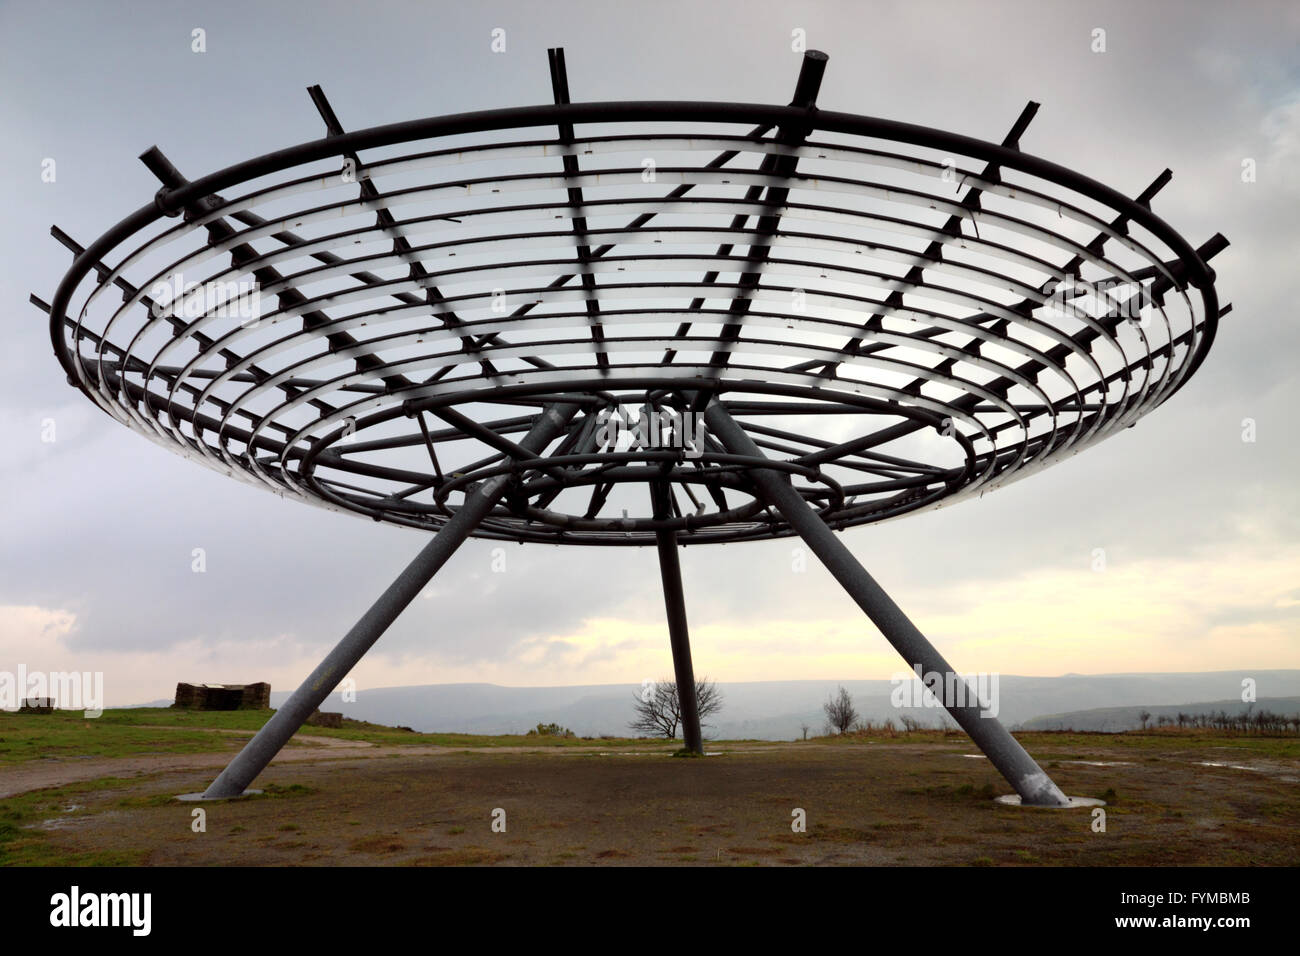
x=620 y=323
x=904 y=316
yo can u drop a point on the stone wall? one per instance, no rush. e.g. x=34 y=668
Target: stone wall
x=223 y=696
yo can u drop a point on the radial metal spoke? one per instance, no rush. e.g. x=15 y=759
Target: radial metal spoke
x=811 y=70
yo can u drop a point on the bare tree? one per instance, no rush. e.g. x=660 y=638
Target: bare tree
x=839 y=711
x=805 y=728
x=659 y=711
x=1144 y=716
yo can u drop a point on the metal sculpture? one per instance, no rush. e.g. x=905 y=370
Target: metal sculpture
x=709 y=322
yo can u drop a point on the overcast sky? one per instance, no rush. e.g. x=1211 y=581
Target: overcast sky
x=1198 y=526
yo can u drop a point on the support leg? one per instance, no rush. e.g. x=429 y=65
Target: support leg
x=1004 y=751
x=670 y=570
x=284 y=723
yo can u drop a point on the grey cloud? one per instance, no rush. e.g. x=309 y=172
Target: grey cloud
x=104 y=523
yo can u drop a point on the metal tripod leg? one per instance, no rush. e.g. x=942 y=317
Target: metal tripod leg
x=679 y=637
x=1004 y=751
x=284 y=723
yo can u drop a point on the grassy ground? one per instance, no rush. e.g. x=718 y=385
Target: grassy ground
x=164 y=730
x=399 y=798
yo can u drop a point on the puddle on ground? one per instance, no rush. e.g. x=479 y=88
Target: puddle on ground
x=1275 y=772
x=635 y=753
x=1086 y=763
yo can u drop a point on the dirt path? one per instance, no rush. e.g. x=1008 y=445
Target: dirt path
x=61 y=771
x=307 y=739
x=58 y=772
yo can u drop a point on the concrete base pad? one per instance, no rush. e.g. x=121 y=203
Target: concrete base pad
x=1013 y=800
x=196 y=797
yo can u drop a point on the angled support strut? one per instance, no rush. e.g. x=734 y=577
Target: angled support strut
x=268 y=741
x=1004 y=751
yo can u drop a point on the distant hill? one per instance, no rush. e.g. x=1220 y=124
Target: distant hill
x=777 y=710
x=1116 y=719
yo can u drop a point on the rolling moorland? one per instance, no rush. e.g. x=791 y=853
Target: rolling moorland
x=779 y=710
x=103 y=792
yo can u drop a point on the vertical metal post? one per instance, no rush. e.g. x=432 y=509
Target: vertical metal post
x=670 y=570
x=284 y=723
x=1004 y=751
